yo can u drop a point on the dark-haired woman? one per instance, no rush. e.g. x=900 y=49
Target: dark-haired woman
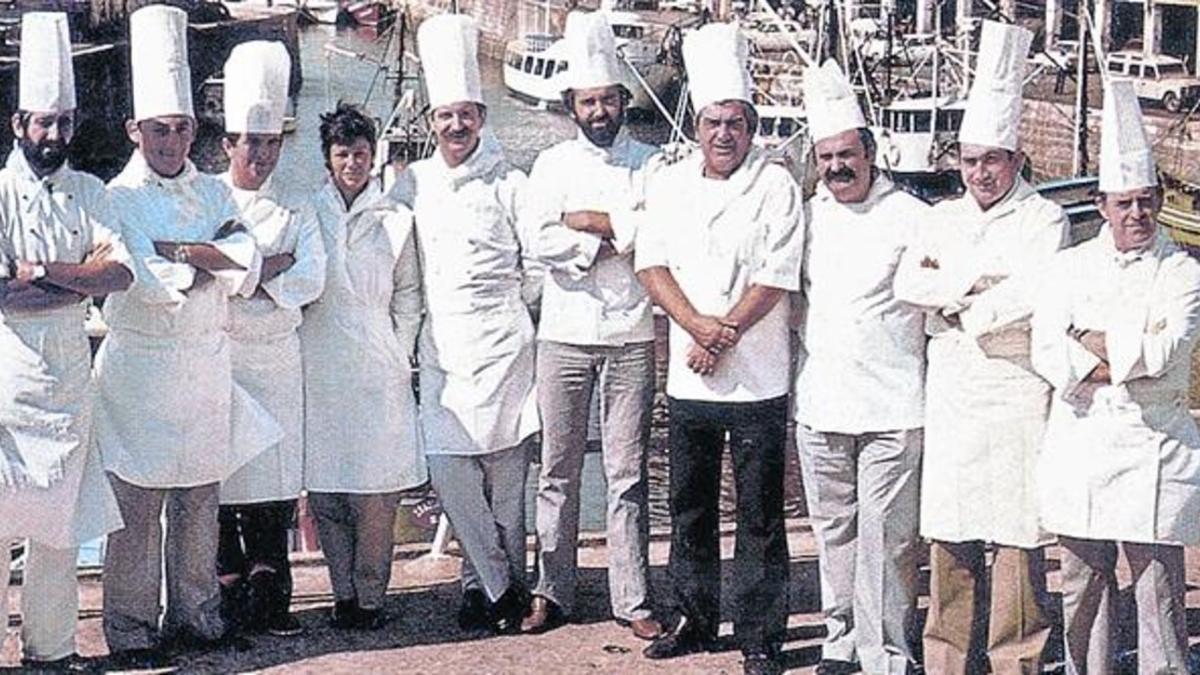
x=361 y=440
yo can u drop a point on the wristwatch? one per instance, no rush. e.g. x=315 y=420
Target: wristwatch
x=39 y=272
x=181 y=254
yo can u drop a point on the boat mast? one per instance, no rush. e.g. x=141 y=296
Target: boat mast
x=1079 y=157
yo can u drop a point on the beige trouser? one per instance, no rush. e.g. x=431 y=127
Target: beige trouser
x=133 y=566
x=1089 y=590
x=49 y=600
x=968 y=601
x=357 y=540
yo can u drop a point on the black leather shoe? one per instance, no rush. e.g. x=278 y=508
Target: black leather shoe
x=136 y=659
x=509 y=610
x=369 y=619
x=474 y=614
x=683 y=638
x=761 y=663
x=284 y=625
x=345 y=614
x=67 y=664
x=835 y=667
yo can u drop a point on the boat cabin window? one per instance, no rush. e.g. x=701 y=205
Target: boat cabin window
x=562 y=66
x=538 y=66
x=528 y=64
x=766 y=126
x=514 y=60
x=549 y=68
x=1115 y=66
x=949 y=120
x=628 y=32
x=786 y=127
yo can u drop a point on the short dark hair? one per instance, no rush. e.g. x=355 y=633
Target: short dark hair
x=344 y=126
x=867 y=138
x=568 y=98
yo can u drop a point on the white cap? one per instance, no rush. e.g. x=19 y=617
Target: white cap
x=993 y=112
x=158 y=57
x=592 y=59
x=1126 y=157
x=716 y=56
x=449 y=51
x=47 y=74
x=830 y=102
x=256 y=86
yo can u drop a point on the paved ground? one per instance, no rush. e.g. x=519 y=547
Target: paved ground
x=423 y=638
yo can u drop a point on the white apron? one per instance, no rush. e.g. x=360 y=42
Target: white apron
x=985 y=409
x=1121 y=461
x=266 y=345
x=169 y=414
x=476 y=348
x=360 y=430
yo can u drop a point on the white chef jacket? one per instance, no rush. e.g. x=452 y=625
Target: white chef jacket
x=585 y=302
x=718 y=238
x=169 y=413
x=985 y=409
x=861 y=362
x=1120 y=461
x=52 y=486
x=266 y=346
x=361 y=427
x=476 y=345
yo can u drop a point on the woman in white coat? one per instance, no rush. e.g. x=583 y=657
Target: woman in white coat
x=361 y=441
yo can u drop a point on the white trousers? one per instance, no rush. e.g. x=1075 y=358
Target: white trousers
x=863 y=502
x=49 y=600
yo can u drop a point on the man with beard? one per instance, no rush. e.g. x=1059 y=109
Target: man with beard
x=595 y=328
x=719 y=250
x=55 y=251
x=859 y=390
x=258 y=502
x=171 y=423
x=1114 y=332
x=476 y=344
x=972 y=270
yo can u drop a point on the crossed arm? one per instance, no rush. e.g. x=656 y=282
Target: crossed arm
x=64 y=283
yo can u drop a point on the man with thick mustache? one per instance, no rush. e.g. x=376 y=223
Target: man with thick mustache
x=973 y=270
x=1113 y=333
x=56 y=251
x=596 y=329
x=477 y=341
x=171 y=423
x=719 y=250
x=859 y=391
x=258 y=502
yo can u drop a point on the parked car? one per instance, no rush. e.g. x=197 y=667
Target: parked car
x=771 y=35
x=1064 y=55
x=1156 y=77
x=692 y=6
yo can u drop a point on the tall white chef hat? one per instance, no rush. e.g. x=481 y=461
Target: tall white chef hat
x=993 y=112
x=592 y=59
x=47 y=74
x=1126 y=157
x=162 y=78
x=256 y=87
x=716 y=58
x=830 y=102
x=449 y=51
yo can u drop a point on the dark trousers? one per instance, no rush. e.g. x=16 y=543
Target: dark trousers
x=255 y=535
x=757 y=433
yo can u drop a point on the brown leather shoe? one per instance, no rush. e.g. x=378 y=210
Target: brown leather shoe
x=543 y=615
x=646 y=629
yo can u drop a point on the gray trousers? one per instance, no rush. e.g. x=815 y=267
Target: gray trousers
x=49 y=600
x=484 y=498
x=356 y=533
x=862 y=493
x=1089 y=592
x=134 y=561
x=566 y=375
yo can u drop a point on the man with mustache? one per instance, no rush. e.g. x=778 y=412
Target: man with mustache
x=477 y=341
x=973 y=270
x=1113 y=333
x=258 y=502
x=859 y=390
x=720 y=248
x=56 y=251
x=596 y=329
x=167 y=401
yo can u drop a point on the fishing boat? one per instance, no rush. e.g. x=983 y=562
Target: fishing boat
x=1180 y=213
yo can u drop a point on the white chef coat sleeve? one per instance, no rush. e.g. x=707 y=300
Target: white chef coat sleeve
x=303 y=282
x=512 y=192
x=625 y=219
x=1145 y=344
x=242 y=249
x=942 y=288
x=104 y=230
x=156 y=280
x=651 y=247
x=1056 y=356
x=1012 y=299
x=553 y=245
x=406 y=303
x=782 y=220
